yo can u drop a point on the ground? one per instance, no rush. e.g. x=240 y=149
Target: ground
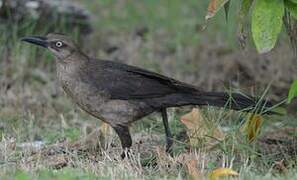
x=43 y=132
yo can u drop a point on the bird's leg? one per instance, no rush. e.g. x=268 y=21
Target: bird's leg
x=168 y=134
x=125 y=138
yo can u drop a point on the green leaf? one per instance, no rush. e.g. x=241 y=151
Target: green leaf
x=292 y=92
x=294 y=1
x=227 y=8
x=292 y=7
x=267 y=23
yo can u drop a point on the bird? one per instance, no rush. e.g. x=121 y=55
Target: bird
x=120 y=94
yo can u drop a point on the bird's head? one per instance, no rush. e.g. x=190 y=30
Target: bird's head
x=60 y=45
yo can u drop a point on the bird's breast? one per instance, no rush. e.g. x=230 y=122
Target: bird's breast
x=81 y=91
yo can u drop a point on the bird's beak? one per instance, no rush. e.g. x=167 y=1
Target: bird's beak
x=38 y=40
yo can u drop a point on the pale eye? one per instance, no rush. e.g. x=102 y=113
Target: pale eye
x=59 y=44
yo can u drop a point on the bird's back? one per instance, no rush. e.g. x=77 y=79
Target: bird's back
x=127 y=82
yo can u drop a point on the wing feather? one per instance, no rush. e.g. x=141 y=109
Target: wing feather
x=126 y=82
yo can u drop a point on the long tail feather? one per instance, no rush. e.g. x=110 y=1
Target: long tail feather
x=235 y=101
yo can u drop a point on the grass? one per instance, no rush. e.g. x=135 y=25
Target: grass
x=32 y=107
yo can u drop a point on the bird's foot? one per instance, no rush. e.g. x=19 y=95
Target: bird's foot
x=126 y=154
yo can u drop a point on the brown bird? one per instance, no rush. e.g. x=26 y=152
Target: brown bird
x=120 y=94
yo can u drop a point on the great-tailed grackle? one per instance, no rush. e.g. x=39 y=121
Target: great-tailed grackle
x=120 y=94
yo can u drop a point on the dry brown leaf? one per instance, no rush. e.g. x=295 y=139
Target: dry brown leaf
x=194 y=173
x=213 y=7
x=215 y=174
x=199 y=130
x=252 y=126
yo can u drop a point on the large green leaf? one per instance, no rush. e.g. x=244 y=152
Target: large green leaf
x=292 y=7
x=294 y=1
x=267 y=23
x=292 y=92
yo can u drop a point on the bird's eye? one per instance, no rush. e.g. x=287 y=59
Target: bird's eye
x=59 y=44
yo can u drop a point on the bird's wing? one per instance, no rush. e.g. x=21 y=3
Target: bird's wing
x=128 y=82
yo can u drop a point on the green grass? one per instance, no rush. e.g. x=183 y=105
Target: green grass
x=32 y=108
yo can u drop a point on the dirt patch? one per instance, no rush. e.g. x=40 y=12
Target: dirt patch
x=280 y=144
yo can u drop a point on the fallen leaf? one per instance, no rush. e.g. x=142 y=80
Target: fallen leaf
x=252 y=126
x=222 y=172
x=213 y=7
x=199 y=131
x=193 y=171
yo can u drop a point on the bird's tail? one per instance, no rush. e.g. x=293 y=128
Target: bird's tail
x=235 y=101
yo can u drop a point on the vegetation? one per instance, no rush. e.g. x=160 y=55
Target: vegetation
x=267 y=20
x=164 y=36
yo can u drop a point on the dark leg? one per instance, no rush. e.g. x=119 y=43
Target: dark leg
x=125 y=137
x=167 y=131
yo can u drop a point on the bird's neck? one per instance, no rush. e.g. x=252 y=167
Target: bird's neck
x=72 y=65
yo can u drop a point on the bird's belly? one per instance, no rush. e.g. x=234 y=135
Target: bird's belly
x=98 y=104
x=87 y=98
